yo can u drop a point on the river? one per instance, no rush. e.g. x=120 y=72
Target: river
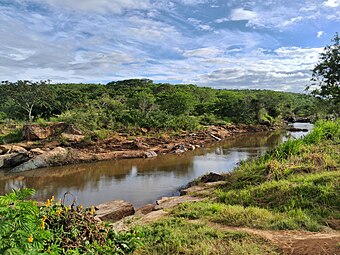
x=142 y=181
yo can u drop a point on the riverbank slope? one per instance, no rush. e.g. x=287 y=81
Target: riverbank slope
x=65 y=147
x=285 y=202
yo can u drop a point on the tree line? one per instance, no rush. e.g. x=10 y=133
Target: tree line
x=142 y=103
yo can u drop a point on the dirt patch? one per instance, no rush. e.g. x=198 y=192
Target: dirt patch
x=294 y=242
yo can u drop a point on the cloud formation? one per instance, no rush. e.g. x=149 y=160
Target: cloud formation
x=234 y=44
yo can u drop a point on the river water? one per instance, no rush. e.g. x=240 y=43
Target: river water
x=142 y=181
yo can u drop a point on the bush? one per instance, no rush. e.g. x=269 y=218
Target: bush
x=26 y=228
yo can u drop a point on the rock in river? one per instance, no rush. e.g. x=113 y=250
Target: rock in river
x=50 y=158
x=114 y=210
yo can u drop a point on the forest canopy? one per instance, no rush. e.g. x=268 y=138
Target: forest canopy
x=141 y=103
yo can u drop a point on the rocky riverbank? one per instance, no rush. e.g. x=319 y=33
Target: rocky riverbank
x=60 y=144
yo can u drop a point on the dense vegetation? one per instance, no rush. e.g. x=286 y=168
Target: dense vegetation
x=295 y=186
x=27 y=228
x=326 y=74
x=137 y=103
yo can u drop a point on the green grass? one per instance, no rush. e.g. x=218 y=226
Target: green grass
x=13 y=136
x=317 y=152
x=178 y=236
x=240 y=216
x=318 y=193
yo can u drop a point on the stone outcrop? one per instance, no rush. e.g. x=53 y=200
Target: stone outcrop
x=5 y=149
x=150 y=154
x=4 y=159
x=15 y=159
x=72 y=138
x=40 y=132
x=146 y=209
x=170 y=202
x=211 y=177
x=50 y=158
x=114 y=210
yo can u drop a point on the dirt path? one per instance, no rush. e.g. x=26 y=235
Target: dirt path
x=294 y=242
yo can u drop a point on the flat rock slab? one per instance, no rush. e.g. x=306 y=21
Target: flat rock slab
x=50 y=158
x=114 y=210
x=146 y=209
x=204 y=189
x=11 y=149
x=170 y=202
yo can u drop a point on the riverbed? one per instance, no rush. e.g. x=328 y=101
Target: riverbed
x=142 y=181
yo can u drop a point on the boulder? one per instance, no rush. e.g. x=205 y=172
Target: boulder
x=49 y=158
x=73 y=130
x=40 y=132
x=170 y=202
x=11 y=149
x=15 y=159
x=72 y=138
x=211 y=177
x=150 y=154
x=114 y=210
x=37 y=151
x=146 y=209
x=4 y=158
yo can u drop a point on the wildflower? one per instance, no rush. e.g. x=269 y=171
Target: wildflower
x=92 y=210
x=30 y=239
x=68 y=208
x=52 y=198
x=59 y=201
x=80 y=207
x=43 y=222
x=48 y=203
x=59 y=211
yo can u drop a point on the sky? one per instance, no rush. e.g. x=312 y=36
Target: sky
x=231 y=44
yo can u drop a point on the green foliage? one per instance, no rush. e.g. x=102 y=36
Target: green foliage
x=316 y=193
x=20 y=231
x=245 y=216
x=26 y=228
x=134 y=104
x=177 y=236
x=326 y=73
x=15 y=135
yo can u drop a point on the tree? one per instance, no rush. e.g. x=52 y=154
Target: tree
x=27 y=94
x=326 y=73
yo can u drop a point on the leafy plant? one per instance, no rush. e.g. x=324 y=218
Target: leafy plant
x=26 y=228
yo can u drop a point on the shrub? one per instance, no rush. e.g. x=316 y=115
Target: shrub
x=26 y=228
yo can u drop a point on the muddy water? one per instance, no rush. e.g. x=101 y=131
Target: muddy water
x=142 y=181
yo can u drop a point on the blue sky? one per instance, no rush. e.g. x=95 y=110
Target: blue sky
x=269 y=44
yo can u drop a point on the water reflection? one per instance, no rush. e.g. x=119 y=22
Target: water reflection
x=140 y=181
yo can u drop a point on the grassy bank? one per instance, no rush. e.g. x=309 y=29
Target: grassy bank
x=296 y=186
x=293 y=187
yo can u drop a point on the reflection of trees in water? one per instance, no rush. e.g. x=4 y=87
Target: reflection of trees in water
x=87 y=177
x=91 y=176
x=254 y=144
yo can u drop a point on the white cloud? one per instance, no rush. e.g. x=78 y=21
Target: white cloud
x=221 y=20
x=242 y=14
x=320 y=33
x=199 y=25
x=203 y=52
x=332 y=3
x=192 y=2
x=102 y=6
